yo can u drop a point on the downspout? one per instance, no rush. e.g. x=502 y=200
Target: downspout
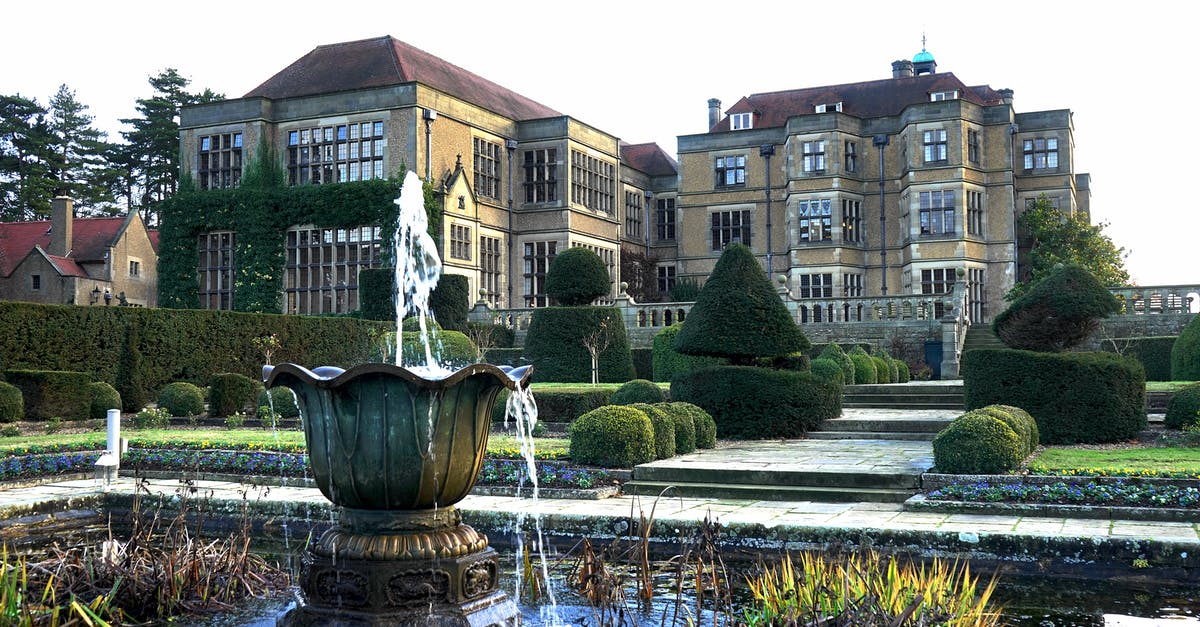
x=880 y=141
x=765 y=151
x=511 y=146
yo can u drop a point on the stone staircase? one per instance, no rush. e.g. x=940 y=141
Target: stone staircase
x=916 y=395
x=981 y=336
x=885 y=424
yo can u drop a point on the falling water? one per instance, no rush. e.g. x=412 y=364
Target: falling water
x=418 y=268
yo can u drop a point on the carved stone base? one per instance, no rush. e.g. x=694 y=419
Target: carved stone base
x=451 y=591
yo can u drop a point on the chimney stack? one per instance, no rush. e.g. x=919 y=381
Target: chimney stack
x=1006 y=96
x=714 y=112
x=902 y=69
x=62 y=216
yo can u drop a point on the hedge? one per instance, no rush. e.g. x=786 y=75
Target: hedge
x=705 y=426
x=614 y=436
x=834 y=352
x=376 y=293
x=559 y=404
x=1074 y=397
x=883 y=370
x=1181 y=411
x=1185 y=354
x=12 y=404
x=229 y=392
x=829 y=370
x=554 y=344
x=53 y=394
x=865 y=371
x=1153 y=352
x=139 y=349
x=504 y=356
x=450 y=301
x=751 y=403
x=667 y=362
x=104 y=398
x=643 y=362
x=279 y=399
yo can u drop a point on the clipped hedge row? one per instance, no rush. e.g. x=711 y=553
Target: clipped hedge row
x=1154 y=353
x=1075 y=397
x=53 y=393
x=558 y=404
x=751 y=403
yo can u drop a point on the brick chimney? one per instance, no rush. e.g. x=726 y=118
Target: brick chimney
x=714 y=112
x=62 y=217
x=902 y=69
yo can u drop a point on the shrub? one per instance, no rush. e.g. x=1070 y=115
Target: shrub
x=12 y=404
x=1035 y=438
x=613 y=436
x=451 y=349
x=104 y=398
x=797 y=361
x=1181 y=411
x=638 y=391
x=53 y=425
x=229 y=392
x=739 y=315
x=450 y=301
x=664 y=429
x=706 y=427
x=684 y=291
x=893 y=367
x=377 y=293
x=181 y=399
x=1074 y=397
x=559 y=404
x=1185 y=353
x=53 y=393
x=977 y=444
x=1154 y=353
x=281 y=399
x=504 y=356
x=829 y=370
x=554 y=344
x=11 y=431
x=497 y=335
x=865 y=371
x=883 y=370
x=643 y=362
x=152 y=418
x=131 y=371
x=1058 y=312
x=1020 y=424
x=685 y=426
x=236 y=420
x=902 y=372
x=668 y=362
x=576 y=277
x=750 y=403
x=834 y=351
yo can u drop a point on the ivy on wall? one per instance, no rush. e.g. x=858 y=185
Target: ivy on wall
x=260 y=212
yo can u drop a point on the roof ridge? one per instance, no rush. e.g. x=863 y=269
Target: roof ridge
x=857 y=83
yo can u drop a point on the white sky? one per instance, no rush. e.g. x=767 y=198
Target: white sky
x=644 y=71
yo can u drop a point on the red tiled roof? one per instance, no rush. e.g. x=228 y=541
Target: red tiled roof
x=649 y=158
x=91 y=237
x=65 y=266
x=153 y=235
x=385 y=61
x=868 y=99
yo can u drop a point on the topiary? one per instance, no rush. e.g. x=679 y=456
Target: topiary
x=865 y=371
x=883 y=371
x=829 y=370
x=751 y=403
x=893 y=367
x=638 y=391
x=834 y=351
x=1185 y=353
x=51 y=394
x=1035 y=436
x=229 y=392
x=613 y=436
x=1181 y=411
x=450 y=301
x=706 y=427
x=1019 y=425
x=685 y=427
x=104 y=398
x=130 y=380
x=977 y=444
x=283 y=401
x=902 y=370
x=664 y=429
x=739 y=315
x=669 y=362
x=12 y=404
x=554 y=344
x=377 y=293
x=181 y=399
x=576 y=277
x=1058 y=312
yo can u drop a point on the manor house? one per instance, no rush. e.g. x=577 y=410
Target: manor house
x=902 y=185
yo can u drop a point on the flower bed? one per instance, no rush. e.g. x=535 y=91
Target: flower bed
x=1062 y=493
x=46 y=465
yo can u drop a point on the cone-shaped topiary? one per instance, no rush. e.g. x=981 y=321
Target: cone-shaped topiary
x=1185 y=353
x=829 y=370
x=1057 y=313
x=834 y=351
x=739 y=315
x=576 y=277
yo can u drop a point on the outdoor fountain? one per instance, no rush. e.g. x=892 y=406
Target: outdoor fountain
x=394 y=449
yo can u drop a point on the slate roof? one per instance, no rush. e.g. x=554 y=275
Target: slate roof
x=868 y=99
x=649 y=159
x=386 y=61
x=91 y=237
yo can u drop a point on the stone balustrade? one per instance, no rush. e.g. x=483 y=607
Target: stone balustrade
x=1141 y=300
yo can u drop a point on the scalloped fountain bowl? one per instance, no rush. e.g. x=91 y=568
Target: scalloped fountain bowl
x=395 y=451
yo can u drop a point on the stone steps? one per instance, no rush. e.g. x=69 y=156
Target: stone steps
x=981 y=336
x=904 y=396
x=767 y=492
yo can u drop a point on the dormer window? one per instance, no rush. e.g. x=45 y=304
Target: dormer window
x=828 y=108
x=741 y=121
x=939 y=96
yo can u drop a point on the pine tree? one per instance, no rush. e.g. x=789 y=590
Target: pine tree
x=79 y=162
x=26 y=181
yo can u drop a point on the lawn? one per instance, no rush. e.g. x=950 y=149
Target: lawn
x=1167 y=386
x=1132 y=461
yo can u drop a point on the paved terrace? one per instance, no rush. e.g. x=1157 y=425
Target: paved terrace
x=1022 y=542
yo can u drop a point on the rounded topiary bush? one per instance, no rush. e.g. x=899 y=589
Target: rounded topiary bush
x=829 y=370
x=104 y=398
x=834 y=351
x=1035 y=436
x=1018 y=423
x=893 y=367
x=181 y=399
x=613 y=436
x=638 y=391
x=977 y=444
x=904 y=374
x=1185 y=353
x=865 y=371
x=12 y=404
x=706 y=427
x=1181 y=411
x=751 y=403
x=685 y=427
x=576 y=277
x=230 y=392
x=664 y=429
x=283 y=401
x=883 y=370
